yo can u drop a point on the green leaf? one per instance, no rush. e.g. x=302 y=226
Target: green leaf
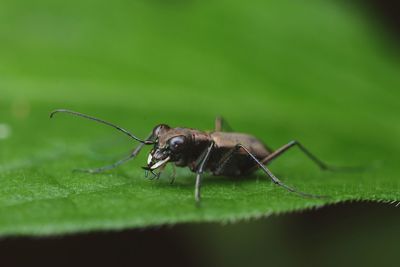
x=316 y=72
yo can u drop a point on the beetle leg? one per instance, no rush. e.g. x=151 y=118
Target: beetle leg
x=155 y=175
x=173 y=176
x=274 y=178
x=133 y=154
x=204 y=158
x=322 y=165
x=221 y=124
x=160 y=171
x=108 y=167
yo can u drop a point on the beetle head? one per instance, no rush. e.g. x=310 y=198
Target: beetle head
x=170 y=146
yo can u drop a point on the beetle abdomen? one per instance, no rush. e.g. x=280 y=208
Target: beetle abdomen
x=230 y=140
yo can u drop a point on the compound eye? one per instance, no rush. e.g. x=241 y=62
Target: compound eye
x=177 y=143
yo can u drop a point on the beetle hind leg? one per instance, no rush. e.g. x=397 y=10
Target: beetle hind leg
x=274 y=179
x=321 y=164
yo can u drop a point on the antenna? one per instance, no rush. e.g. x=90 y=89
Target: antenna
x=146 y=142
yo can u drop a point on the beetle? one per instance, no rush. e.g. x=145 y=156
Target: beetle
x=223 y=153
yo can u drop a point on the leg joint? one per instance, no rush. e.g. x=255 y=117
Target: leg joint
x=294 y=142
x=237 y=146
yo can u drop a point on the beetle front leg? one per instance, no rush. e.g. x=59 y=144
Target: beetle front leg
x=173 y=174
x=133 y=154
x=204 y=158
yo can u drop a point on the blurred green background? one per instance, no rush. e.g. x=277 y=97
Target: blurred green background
x=323 y=72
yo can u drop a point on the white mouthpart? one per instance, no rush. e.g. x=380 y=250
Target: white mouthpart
x=160 y=163
x=149 y=159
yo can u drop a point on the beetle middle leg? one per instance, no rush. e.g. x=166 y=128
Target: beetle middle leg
x=222 y=125
x=133 y=154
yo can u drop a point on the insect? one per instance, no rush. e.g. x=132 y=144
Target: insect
x=222 y=153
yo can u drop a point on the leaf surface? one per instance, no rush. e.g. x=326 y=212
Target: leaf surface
x=316 y=72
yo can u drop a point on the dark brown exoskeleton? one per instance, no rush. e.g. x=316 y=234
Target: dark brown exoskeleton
x=221 y=153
